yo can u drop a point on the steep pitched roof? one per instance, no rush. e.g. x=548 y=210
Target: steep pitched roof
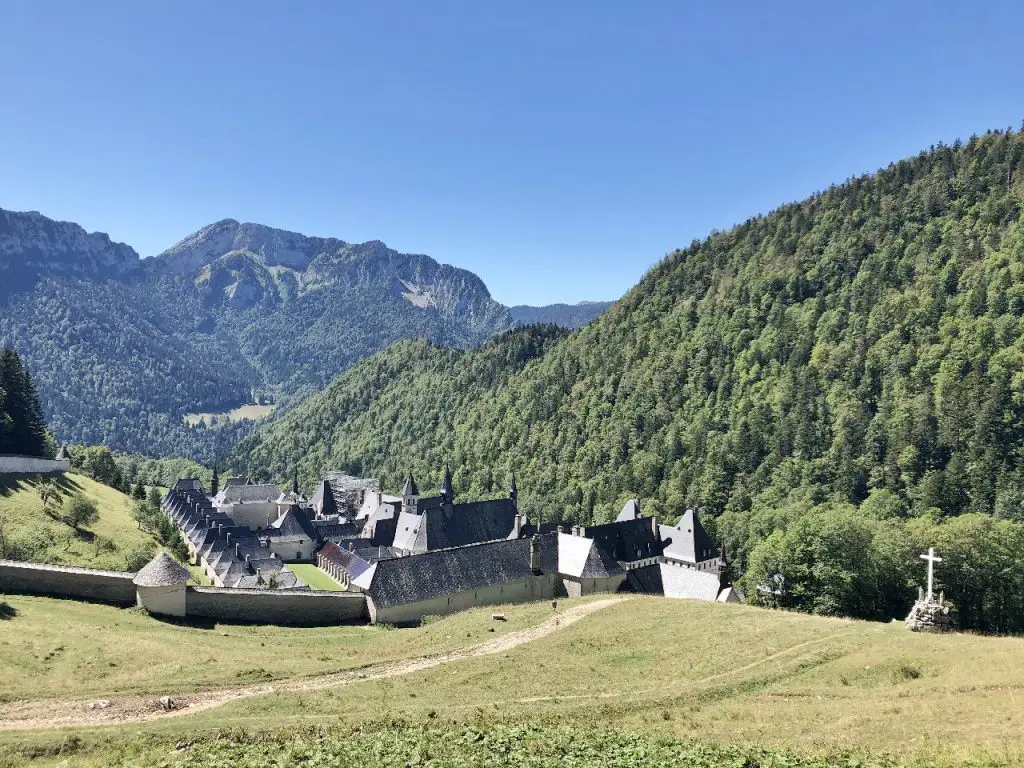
x=293 y=523
x=687 y=541
x=630 y=511
x=162 y=571
x=461 y=524
x=410 y=487
x=581 y=558
x=627 y=540
x=449 y=571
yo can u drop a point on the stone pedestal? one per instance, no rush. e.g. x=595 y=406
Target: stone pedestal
x=929 y=616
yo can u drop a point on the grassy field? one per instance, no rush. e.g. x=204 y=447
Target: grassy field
x=314 y=577
x=101 y=545
x=251 y=411
x=65 y=649
x=658 y=673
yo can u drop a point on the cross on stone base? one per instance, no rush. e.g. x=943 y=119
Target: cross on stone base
x=932 y=559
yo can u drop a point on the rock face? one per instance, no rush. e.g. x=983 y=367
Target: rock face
x=33 y=245
x=929 y=616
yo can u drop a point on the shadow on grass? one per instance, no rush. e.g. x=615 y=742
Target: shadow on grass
x=11 y=484
x=7 y=612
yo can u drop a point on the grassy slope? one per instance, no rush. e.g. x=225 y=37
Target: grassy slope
x=314 y=577
x=66 y=649
x=684 y=670
x=22 y=512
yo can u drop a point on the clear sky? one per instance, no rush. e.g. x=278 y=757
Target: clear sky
x=557 y=149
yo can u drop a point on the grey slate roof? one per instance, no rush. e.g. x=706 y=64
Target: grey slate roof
x=582 y=558
x=627 y=540
x=248 y=494
x=630 y=511
x=162 y=571
x=292 y=524
x=456 y=525
x=687 y=540
x=460 y=569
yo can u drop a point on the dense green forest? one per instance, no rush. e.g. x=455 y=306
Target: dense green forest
x=863 y=347
x=22 y=427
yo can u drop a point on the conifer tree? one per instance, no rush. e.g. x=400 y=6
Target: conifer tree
x=22 y=426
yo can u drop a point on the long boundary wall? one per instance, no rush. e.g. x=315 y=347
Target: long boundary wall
x=275 y=606
x=29 y=465
x=67 y=581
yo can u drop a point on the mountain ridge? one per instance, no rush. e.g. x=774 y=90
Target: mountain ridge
x=124 y=346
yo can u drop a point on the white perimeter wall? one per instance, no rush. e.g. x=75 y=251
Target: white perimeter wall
x=26 y=465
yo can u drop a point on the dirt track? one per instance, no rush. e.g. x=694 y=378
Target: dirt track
x=56 y=713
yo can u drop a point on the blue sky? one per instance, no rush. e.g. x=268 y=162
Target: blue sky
x=557 y=149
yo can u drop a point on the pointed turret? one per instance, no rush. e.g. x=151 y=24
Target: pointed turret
x=447 y=494
x=410 y=487
x=410 y=495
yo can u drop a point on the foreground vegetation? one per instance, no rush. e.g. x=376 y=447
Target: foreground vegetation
x=483 y=744
x=642 y=679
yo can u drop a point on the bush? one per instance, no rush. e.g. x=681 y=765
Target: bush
x=80 y=511
x=137 y=558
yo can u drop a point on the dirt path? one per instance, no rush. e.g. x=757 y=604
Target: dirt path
x=43 y=714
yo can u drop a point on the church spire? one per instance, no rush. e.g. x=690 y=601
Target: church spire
x=410 y=486
x=446 y=485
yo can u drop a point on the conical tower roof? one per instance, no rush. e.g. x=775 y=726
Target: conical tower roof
x=410 y=487
x=162 y=571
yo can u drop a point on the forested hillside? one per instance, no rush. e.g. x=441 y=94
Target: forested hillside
x=863 y=345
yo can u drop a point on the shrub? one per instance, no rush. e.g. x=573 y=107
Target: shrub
x=81 y=511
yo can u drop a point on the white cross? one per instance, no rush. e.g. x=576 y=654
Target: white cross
x=932 y=559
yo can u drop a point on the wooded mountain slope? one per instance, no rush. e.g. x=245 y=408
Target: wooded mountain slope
x=867 y=338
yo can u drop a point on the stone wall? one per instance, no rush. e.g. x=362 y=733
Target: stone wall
x=27 y=465
x=275 y=606
x=540 y=587
x=67 y=581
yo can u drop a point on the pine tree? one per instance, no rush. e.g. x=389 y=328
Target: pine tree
x=215 y=482
x=24 y=428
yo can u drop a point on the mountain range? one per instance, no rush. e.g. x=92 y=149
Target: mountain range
x=123 y=348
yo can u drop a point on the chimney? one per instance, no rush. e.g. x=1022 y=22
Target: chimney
x=350 y=546
x=228 y=542
x=238 y=549
x=535 y=544
x=207 y=521
x=576 y=531
x=654 y=525
x=518 y=524
x=560 y=529
x=247 y=562
x=259 y=575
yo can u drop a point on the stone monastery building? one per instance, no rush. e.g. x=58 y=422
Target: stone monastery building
x=416 y=555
